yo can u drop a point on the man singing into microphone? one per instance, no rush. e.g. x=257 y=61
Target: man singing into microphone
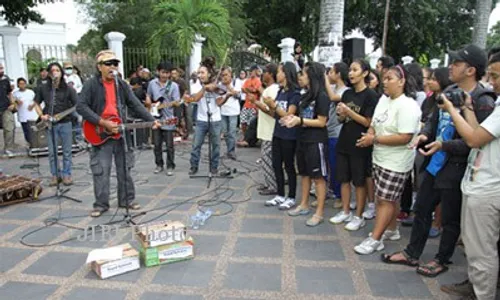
x=58 y=97
x=104 y=96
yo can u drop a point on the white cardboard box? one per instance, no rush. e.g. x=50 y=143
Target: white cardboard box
x=109 y=268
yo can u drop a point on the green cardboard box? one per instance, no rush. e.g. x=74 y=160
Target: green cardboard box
x=166 y=254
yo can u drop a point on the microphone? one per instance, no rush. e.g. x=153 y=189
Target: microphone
x=115 y=73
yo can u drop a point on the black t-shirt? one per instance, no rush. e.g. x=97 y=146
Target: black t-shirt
x=5 y=90
x=318 y=107
x=363 y=103
x=284 y=100
x=65 y=98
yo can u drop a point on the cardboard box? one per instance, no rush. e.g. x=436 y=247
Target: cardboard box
x=161 y=233
x=167 y=254
x=109 y=268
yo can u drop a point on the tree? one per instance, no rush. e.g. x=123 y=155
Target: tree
x=184 y=19
x=483 y=11
x=493 y=39
x=272 y=20
x=331 y=22
x=20 y=12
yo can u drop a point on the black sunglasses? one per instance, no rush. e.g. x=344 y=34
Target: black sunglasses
x=110 y=63
x=68 y=68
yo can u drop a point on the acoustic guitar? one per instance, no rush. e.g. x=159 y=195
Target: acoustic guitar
x=97 y=135
x=56 y=118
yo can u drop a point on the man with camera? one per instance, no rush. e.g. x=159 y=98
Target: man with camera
x=480 y=185
x=446 y=160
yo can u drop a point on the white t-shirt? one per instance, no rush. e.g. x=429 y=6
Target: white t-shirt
x=265 y=125
x=75 y=80
x=238 y=84
x=27 y=97
x=401 y=115
x=194 y=87
x=482 y=176
x=231 y=107
x=209 y=97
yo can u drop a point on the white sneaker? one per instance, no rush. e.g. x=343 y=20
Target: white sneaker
x=355 y=224
x=368 y=246
x=370 y=212
x=392 y=235
x=341 y=217
x=352 y=205
x=277 y=200
x=287 y=204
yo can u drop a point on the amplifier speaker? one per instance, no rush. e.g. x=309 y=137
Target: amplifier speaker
x=38 y=138
x=352 y=49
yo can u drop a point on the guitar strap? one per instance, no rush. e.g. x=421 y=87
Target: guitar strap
x=167 y=88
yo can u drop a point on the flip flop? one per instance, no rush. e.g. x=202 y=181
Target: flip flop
x=432 y=269
x=95 y=213
x=408 y=261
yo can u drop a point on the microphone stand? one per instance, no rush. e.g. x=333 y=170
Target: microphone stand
x=128 y=218
x=52 y=124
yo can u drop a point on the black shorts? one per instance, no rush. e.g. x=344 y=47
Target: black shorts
x=312 y=160
x=369 y=165
x=351 y=168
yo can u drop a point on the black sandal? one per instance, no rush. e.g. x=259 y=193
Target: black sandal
x=407 y=261
x=431 y=269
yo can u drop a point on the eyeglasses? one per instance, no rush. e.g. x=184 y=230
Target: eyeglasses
x=493 y=75
x=110 y=63
x=68 y=68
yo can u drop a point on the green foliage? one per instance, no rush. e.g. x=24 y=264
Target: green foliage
x=35 y=65
x=20 y=12
x=186 y=18
x=272 y=20
x=494 y=37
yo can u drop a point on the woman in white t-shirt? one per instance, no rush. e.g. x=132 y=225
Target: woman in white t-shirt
x=230 y=111
x=395 y=122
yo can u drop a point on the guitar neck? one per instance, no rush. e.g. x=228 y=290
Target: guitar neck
x=138 y=125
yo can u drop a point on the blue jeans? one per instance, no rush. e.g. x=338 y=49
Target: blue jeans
x=229 y=124
x=332 y=158
x=78 y=127
x=64 y=132
x=199 y=136
x=195 y=113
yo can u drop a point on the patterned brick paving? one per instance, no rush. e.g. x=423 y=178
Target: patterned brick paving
x=253 y=252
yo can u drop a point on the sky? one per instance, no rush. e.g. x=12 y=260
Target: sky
x=69 y=13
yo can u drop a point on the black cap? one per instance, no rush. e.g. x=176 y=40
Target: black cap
x=473 y=55
x=254 y=67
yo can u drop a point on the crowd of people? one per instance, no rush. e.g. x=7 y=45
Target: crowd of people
x=408 y=144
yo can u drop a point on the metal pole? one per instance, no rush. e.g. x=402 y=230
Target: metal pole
x=386 y=26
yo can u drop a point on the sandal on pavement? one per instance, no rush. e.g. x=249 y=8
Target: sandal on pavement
x=407 y=261
x=298 y=211
x=432 y=269
x=315 y=220
x=96 y=212
x=133 y=206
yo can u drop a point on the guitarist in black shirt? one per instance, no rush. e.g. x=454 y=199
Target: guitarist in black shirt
x=58 y=97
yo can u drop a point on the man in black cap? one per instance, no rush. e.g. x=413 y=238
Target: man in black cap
x=251 y=89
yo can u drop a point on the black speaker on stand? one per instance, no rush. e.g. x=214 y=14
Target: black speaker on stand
x=352 y=49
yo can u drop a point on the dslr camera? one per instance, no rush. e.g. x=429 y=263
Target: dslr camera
x=456 y=97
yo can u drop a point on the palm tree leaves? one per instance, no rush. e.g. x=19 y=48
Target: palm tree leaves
x=184 y=19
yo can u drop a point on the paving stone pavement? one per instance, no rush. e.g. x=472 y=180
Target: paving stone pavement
x=251 y=252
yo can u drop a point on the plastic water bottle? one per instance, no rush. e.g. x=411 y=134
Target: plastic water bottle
x=195 y=222
x=205 y=216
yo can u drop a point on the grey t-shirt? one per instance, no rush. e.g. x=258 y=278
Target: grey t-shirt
x=333 y=125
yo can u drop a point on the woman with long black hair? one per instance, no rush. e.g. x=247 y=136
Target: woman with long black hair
x=355 y=111
x=312 y=141
x=284 y=139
